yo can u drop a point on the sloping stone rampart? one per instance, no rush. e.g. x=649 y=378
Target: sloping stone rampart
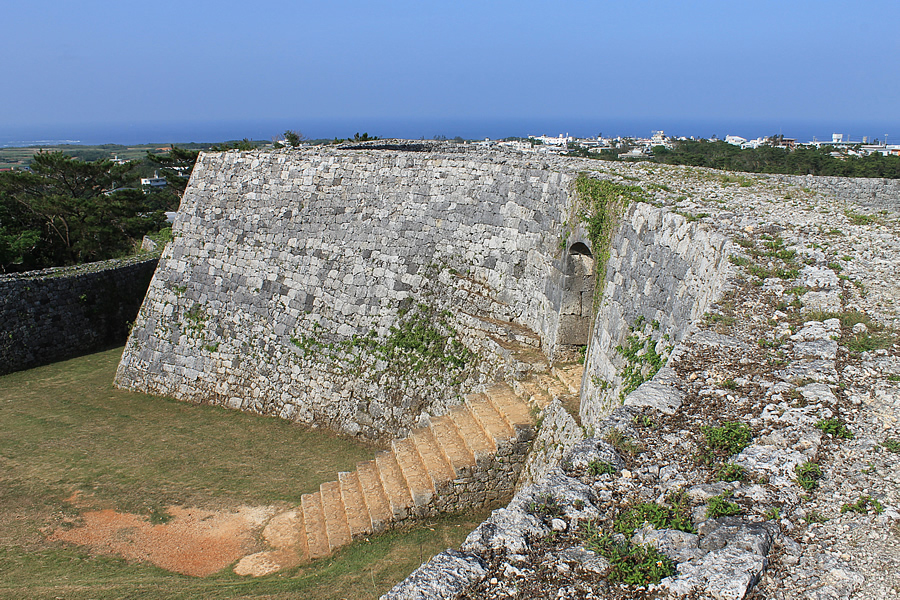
x=663 y=272
x=280 y=259
x=59 y=313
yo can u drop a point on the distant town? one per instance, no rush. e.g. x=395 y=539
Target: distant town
x=840 y=146
x=638 y=148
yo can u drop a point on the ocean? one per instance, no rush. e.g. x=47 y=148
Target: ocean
x=428 y=128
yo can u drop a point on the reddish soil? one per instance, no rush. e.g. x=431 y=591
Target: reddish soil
x=195 y=542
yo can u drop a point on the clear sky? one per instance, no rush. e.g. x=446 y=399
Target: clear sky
x=98 y=63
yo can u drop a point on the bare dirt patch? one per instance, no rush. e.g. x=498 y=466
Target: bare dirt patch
x=195 y=542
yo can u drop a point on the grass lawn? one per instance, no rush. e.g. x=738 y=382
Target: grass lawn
x=65 y=429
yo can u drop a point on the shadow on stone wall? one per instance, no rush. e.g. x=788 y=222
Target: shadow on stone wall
x=55 y=314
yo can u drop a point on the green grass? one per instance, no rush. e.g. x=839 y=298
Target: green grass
x=362 y=571
x=64 y=428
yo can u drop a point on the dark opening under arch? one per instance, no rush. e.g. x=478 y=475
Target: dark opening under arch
x=578 y=296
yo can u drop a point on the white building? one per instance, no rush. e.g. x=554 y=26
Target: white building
x=155 y=182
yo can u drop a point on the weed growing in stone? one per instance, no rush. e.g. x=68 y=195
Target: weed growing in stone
x=860 y=219
x=600 y=467
x=891 y=445
x=724 y=441
x=731 y=472
x=721 y=506
x=862 y=505
x=815 y=516
x=835 y=427
x=808 y=475
x=629 y=563
x=622 y=443
x=661 y=517
x=546 y=507
x=643 y=421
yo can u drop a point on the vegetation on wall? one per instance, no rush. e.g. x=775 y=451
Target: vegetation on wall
x=601 y=204
x=422 y=344
x=642 y=361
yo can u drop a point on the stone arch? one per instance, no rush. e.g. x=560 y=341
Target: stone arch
x=577 y=305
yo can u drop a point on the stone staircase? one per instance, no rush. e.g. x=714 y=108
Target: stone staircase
x=467 y=458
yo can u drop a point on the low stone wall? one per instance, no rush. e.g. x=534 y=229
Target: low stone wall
x=490 y=482
x=54 y=314
x=873 y=193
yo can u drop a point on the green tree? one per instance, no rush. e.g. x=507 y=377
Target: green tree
x=293 y=138
x=176 y=166
x=66 y=212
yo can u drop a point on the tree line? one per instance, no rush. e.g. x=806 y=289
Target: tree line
x=803 y=160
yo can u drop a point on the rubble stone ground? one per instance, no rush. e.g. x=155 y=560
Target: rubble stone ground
x=803 y=351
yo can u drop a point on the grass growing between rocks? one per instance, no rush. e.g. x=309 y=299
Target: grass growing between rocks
x=64 y=430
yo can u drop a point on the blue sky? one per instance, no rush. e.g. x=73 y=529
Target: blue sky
x=105 y=64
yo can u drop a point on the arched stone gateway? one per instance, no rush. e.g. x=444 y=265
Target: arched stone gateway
x=578 y=296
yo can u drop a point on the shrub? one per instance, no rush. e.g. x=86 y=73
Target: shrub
x=632 y=564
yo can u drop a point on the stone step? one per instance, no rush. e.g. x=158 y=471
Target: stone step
x=570 y=376
x=555 y=388
x=435 y=462
x=377 y=503
x=355 y=505
x=420 y=485
x=451 y=444
x=532 y=392
x=503 y=330
x=491 y=421
x=477 y=441
x=314 y=526
x=335 y=515
x=510 y=406
x=395 y=488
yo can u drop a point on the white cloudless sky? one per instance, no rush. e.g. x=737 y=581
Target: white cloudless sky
x=108 y=62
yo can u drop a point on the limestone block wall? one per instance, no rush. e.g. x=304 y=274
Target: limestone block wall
x=54 y=314
x=662 y=273
x=876 y=194
x=297 y=280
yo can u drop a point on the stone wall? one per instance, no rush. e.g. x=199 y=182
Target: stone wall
x=303 y=284
x=875 y=194
x=54 y=314
x=662 y=273
x=491 y=481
